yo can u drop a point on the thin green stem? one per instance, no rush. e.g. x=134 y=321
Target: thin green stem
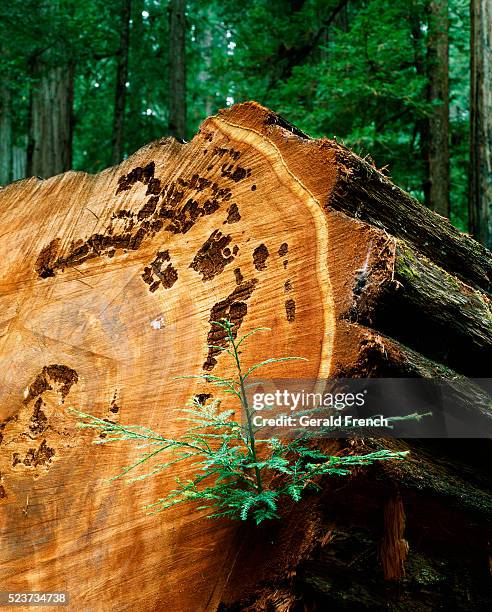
x=245 y=405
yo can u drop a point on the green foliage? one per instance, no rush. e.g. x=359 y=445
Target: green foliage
x=358 y=73
x=236 y=475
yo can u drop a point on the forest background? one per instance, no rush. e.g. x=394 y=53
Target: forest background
x=408 y=82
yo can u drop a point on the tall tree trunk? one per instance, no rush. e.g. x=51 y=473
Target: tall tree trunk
x=480 y=200
x=121 y=79
x=19 y=160
x=5 y=135
x=177 y=69
x=51 y=120
x=421 y=123
x=206 y=44
x=135 y=94
x=437 y=187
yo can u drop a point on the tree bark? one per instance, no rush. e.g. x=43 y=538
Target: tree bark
x=51 y=120
x=365 y=194
x=5 y=136
x=206 y=47
x=437 y=188
x=480 y=196
x=110 y=284
x=121 y=79
x=398 y=284
x=19 y=160
x=177 y=69
x=421 y=128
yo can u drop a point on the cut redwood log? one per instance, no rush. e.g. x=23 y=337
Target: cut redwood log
x=108 y=287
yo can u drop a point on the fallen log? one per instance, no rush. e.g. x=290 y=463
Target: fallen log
x=108 y=287
x=408 y=297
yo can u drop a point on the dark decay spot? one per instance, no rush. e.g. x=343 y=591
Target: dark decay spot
x=56 y=373
x=234 y=308
x=164 y=211
x=148 y=208
x=147 y=275
x=201 y=398
x=154 y=187
x=156 y=226
x=34 y=457
x=286 y=263
x=274 y=119
x=184 y=219
x=38 y=387
x=197 y=182
x=122 y=214
x=290 y=310
x=239 y=276
x=46 y=259
x=236 y=174
x=2 y=492
x=138 y=174
x=211 y=259
x=169 y=276
x=233 y=215
x=235 y=249
x=154 y=274
x=113 y=407
x=253 y=187
x=30 y=457
x=288 y=285
x=64 y=375
x=172 y=196
x=219 y=152
x=95 y=246
x=38 y=419
x=283 y=249
x=260 y=255
x=163 y=256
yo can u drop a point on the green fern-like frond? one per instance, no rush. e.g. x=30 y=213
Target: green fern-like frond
x=236 y=474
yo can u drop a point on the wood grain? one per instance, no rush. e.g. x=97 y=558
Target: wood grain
x=108 y=285
x=113 y=279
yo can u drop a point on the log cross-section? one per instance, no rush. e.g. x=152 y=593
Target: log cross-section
x=109 y=285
